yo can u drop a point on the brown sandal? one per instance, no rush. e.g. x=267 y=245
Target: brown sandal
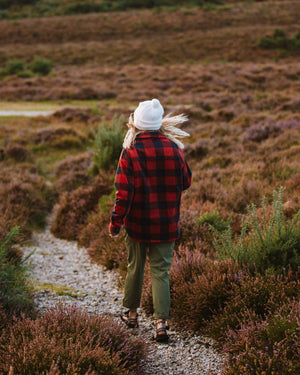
x=161 y=333
x=130 y=322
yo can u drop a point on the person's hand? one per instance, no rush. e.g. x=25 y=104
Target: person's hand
x=112 y=233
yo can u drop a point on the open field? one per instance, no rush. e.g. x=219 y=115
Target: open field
x=148 y=37
x=243 y=104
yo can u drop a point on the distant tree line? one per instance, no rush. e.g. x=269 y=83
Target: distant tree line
x=96 y=6
x=5 y=4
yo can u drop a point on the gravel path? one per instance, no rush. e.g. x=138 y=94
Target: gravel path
x=64 y=272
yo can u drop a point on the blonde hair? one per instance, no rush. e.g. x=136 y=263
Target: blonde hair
x=168 y=129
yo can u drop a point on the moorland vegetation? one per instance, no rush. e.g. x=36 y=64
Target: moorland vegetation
x=235 y=274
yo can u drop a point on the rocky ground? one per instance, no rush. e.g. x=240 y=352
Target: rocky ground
x=63 y=272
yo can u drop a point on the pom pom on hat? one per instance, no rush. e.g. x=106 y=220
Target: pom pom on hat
x=148 y=115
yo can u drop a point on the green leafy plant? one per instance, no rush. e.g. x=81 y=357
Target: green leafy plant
x=108 y=140
x=267 y=244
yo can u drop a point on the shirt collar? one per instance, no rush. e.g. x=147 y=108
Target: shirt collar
x=149 y=134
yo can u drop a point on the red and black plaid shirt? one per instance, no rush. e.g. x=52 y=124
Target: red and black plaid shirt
x=150 y=178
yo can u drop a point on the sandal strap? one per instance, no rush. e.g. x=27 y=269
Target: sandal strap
x=161 y=330
x=130 y=322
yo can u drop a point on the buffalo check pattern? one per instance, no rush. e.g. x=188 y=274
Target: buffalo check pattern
x=149 y=180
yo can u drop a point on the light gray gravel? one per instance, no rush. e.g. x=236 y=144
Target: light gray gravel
x=63 y=272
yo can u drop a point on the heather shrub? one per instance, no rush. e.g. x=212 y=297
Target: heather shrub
x=270 y=245
x=23 y=199
x=198 y=149
x=111 y=253
x=108 y=141
x=74 y=208
x=15 y=291
x=199 y=286
x=237 y=195
x=2 y=153
x=60 y=137
x=204 y=290
x=9 y=219
x=189 y=228
x=69 y=341
x=72 y=181
x=18 y=152
x=194 y=233
x=269 y=346
x=72 y=163
x=72 y=173
x=3 y=318
x=254 y=297
x=261 y=131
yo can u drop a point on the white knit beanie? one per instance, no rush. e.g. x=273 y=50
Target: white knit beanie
x=148 y=115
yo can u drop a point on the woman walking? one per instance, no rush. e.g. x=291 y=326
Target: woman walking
x=150 y=177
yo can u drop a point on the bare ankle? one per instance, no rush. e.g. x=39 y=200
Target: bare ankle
x=132 y=313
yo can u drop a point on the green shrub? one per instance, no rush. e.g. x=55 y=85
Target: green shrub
x=41 y=66
x=15 y=291
x=69 y=341
x=38 y=66
x=108 y=140
x=279 y=40
x=15 y=66
x=3 y=14
x=272 y=245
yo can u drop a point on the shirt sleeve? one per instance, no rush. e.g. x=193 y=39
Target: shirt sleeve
x=124 y=192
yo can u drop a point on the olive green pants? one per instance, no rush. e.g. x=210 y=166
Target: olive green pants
x=160 y=258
